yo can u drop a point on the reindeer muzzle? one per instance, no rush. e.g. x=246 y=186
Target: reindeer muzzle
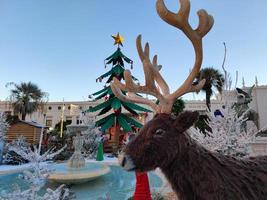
x=126 y=162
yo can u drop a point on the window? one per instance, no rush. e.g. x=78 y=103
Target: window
x=77 y=120
x=48 y=122
x=7 y=113
x=59 y=107
x=49 y=108
x=68 y=120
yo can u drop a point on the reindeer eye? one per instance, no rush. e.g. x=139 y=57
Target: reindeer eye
x=159 y=132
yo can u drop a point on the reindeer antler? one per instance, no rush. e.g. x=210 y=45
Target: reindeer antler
x=151 y=69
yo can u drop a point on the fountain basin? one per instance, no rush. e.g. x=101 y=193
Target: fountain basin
x=67 y=175
x=117 y=185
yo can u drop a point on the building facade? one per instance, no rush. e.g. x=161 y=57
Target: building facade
x=71 y=111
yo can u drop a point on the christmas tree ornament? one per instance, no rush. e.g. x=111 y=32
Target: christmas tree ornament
x=118 y=39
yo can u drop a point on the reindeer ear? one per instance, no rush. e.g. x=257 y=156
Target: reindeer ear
x=185 y=120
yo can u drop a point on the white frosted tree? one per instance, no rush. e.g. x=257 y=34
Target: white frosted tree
x=10 y=157
x=227 y=136
x=36 y=176
x=92 y=138
x=61 y=193
x=3 y=130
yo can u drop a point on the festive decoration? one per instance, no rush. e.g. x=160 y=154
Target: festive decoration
x=11 y=157
x=36 y=176
x=111 y=102
x=92 y=139
x=3 y=130
x=100 y=152
x=116 y=119
x=60 y=193
x=242 y=109
x=193 y=171
x=142 y=191
x=227 y=136
x=118 y=39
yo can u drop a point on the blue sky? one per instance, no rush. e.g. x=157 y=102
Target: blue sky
x=61 y=45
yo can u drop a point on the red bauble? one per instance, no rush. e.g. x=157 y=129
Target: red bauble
x=106 y=98
x=117 y=112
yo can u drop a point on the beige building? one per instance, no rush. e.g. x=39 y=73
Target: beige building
x=72 y=110
x=259 y=103
x=53 y=112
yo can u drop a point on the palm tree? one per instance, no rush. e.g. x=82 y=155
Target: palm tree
x=26 y=98
x=214 y=79
x=178 y=106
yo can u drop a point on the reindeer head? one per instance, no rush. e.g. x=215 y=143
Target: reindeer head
x=158 y=136
x=159 y=142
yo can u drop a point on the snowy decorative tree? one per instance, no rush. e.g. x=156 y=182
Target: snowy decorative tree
x=39 y=167
x=92 y=139
x=227 y=136
x=60 y=193
x=3 y=126
x=12 y=157
x=3 y=130
x=36 y=176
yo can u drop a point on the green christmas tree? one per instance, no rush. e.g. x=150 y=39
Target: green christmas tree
x=116 y=118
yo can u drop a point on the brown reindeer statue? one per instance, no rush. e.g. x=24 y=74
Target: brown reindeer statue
x=194 y=172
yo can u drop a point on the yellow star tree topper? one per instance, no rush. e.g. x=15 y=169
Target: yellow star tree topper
x=118 y=39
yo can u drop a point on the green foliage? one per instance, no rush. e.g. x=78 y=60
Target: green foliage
x=178 y=106
x=202 y=124
x=57 y=142
x=12 y=119
x=26 y=98
x=58 y=127
x=214 y=79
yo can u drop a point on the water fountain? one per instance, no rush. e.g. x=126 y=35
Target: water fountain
x=77 y=160
x=76 y=170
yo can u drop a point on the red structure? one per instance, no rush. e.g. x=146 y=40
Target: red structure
x=142 y=190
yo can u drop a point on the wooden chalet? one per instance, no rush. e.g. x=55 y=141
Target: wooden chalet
x=30 y=130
